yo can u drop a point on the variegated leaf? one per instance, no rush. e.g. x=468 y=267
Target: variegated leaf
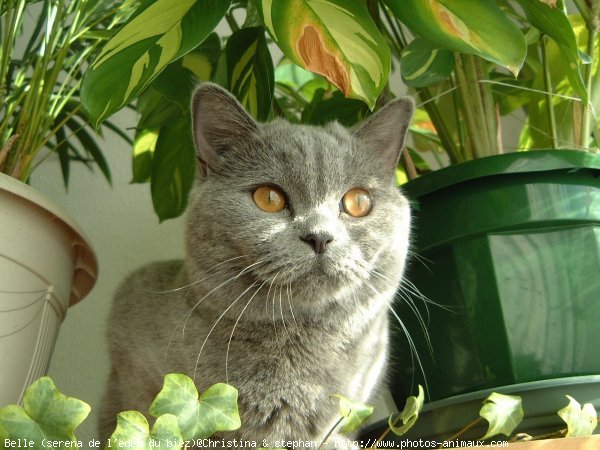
x=423 y=64
x=162 y=31
x=478 y=27
x=250 y=71
x=334 y=38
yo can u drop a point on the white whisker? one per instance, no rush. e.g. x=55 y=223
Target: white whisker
x=217 y=322
x=233 y=330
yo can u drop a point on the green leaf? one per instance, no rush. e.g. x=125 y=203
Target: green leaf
x=354 y=414
x=334 y=38
x=160 y=32
x=133 y=431
x=198 y=417
x=173 y=168
x=581 y=421
x=143 y=153
x=503 y=412
x=409 y=414
x=479 y=28
x=250 y=72
x=325 y=108
x=423 y=64
x=46 y=414
x=554 y=23
x=89 y=144
x=156 y=110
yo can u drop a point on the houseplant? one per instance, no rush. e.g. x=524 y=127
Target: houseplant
x=478 y=62
x=46 y=262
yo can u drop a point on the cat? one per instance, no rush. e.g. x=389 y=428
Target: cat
x=297 y=238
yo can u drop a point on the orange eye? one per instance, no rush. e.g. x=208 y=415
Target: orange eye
x=357 y=202
x=269 y=199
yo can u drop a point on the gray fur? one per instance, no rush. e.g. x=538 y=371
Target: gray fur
x=287 y=327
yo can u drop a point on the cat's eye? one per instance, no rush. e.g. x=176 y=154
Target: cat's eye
x=269 y=199
x=357 y=202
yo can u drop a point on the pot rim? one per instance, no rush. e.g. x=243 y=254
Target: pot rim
x=85 y=271
x=507 y=163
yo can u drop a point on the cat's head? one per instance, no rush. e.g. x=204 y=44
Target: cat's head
x=315 y=209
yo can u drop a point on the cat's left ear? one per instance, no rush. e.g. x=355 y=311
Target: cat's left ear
x=385 y=131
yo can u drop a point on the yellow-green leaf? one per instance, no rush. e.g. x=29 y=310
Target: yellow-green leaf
x=503 y=412
x=409 y=414
x=133 y=431
x=475 y=27
x=334 y=38
x=198 y=416
x=162 y=31
x=580 y=420
x=354 y=414
x=47 y=414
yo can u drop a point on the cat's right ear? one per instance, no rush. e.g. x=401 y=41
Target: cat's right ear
x=218 y=122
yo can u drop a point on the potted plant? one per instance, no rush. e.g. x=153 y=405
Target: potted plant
x=469 y=64
x=46 y=262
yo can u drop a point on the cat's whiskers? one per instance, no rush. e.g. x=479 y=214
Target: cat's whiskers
x=413 y=349
x=217 y=322
x=230 y=280
x=289 y=296
x=282 y=316
x=233 y=330
x=267 y=300
x=187 y=286
x=405 y=295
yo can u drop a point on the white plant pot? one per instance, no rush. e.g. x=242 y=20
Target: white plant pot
x=46 y=265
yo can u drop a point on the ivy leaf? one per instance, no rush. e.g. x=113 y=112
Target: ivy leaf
x=47 y=414
x=503 y=412
x=133 y=431
x=198 y=417
x=409 y=414
x=354 y=414
x=581 y=421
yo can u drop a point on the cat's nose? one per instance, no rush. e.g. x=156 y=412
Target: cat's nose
x=318 y=241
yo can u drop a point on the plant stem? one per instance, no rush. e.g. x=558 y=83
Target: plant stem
x=489 y=111
x=440 y=125
x=584 y=139
x=409 y=165
x=471 y=150
x=548 y=93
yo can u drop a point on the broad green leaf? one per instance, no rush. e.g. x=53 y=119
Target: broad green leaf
x=581 y=421
x=292 y=75
x=325 y=108
x=156 y=110
x=46 y=414
x=423 y=63
x=162 y=31
x=409 y=414
x=143 y=153
x=334 y=38
x=133 y=431
x=173 y=168
x=503 y=413
x=354 y=414
x=198 y=416
x=250 y=73
x=479 y=28
x=554 y=23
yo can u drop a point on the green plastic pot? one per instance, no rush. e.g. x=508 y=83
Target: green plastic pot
x=508 y=249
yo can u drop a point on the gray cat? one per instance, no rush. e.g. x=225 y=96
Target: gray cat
x=296 y=243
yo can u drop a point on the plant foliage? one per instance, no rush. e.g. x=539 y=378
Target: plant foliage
x=468 y=63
